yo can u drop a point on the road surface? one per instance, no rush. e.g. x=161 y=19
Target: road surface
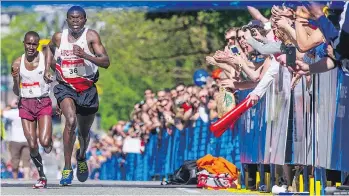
x=90 y=187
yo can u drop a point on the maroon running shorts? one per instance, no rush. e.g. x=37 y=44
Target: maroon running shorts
x=34 y=108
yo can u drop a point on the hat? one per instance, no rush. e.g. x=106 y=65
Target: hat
x=253 y=23
x=215 y=74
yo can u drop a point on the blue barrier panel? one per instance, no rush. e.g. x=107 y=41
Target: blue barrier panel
x=340 y=145
x=244 y=131
x=176 y=136
x=212 y=143
x=203 y=133
x=235 y=150
x=130 y=166
x=139 y=167
x=113 y=170
x=150 y=156
x=182 y=148
x=261 y=128
x=103 y=171
x=168 y=155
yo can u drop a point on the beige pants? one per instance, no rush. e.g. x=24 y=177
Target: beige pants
x=19 y=151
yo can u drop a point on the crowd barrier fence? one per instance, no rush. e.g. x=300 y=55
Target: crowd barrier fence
x=307 y=126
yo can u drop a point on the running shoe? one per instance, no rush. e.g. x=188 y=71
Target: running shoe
x=67 y=177
x=82 y=168
x=42 y=183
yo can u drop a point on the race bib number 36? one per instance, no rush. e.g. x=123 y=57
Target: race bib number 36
x=73 y=68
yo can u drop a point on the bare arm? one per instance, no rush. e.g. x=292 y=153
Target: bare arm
x=49 y=53
x=256 y=14
x=244 y=85
x=252 y=70
x=101 y=57
x=306 y=42
x=212 y=61
x=325 y=64
x=15 y=74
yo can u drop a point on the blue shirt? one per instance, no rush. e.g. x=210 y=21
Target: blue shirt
x=328 y=29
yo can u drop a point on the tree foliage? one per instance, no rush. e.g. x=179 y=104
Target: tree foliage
x=12 y=44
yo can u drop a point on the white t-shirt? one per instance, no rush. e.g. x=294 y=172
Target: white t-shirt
x=15 y=132
x=203 y=114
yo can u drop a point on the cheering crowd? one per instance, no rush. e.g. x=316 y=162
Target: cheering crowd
x=297 y=36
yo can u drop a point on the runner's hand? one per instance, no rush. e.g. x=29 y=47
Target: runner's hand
x=15 y=72
x=48 y=77
x=78 y=51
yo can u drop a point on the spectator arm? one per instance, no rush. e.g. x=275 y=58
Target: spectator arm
x=305 y=42
x=325 y=64
x=267 y=48
x=256 y=14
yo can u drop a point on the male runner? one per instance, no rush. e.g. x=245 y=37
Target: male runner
x=35 y=106
x=78 y=52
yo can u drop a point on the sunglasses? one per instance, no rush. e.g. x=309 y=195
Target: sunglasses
x=230 y=38
x=240 y=38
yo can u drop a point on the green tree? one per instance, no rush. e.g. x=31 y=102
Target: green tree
x=12 y=43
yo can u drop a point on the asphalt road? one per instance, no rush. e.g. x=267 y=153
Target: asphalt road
x=11 y=187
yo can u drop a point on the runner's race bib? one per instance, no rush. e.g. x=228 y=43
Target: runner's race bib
x=73 y=68
x=30 y=90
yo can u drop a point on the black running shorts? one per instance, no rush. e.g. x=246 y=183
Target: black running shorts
x=86 y=102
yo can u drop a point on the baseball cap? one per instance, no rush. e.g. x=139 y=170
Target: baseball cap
x=215 y=74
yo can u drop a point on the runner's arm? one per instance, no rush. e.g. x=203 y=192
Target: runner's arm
x=50 y=50
x=101 y=57
x=15 y=75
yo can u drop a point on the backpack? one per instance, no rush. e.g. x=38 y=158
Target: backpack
x=185 y=175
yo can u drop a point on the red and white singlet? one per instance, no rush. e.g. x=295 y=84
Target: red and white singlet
x=78 y=73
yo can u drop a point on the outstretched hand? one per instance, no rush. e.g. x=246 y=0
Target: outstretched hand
x=252 y=99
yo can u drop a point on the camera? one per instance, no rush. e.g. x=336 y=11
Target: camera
x=290 y=52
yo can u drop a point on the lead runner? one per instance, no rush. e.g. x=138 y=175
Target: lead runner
x=78 y=52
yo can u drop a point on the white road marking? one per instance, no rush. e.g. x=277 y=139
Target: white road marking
x=189 y=190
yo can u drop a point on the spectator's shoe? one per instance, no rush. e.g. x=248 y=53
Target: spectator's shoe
x=67 y=177
x=279 y=189
x=42 y=183
x=48 y=149
x=82 y=168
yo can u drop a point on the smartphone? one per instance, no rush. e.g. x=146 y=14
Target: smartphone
x=253 y=31
x=291 y=56
x=234 y=49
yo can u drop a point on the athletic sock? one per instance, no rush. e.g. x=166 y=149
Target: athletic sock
x=38 y=163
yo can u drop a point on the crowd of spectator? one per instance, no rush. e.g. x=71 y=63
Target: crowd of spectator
x=251 y=58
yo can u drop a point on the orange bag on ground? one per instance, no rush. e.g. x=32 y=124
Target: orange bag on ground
x=218 y=165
